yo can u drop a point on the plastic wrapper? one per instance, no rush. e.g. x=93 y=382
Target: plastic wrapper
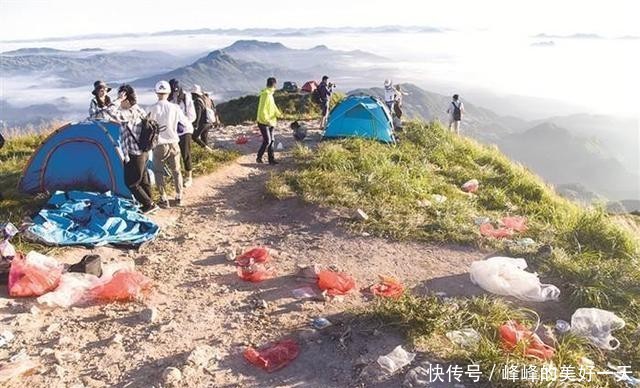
x=596 y=325
x=273 y=357
x=388 y=287
x=123 y=286
x=335 y=283
x=513 y=332
x=33 y=275
x=73 y=289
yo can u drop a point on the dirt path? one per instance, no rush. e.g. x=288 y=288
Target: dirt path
x=200 y=300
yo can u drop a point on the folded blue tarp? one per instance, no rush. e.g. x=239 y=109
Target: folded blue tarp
x=91 y=219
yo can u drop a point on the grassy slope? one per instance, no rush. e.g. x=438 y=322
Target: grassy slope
x=594 y=259
x=294 y=106
x=15 y=206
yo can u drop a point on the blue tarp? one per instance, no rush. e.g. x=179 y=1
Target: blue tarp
x=91 y=219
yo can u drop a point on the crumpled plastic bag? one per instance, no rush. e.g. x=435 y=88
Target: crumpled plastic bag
x=490 y=231
x=596 y=325
x=388 y=287
x=72 y=290
x=513 y=332
x=255 y=255
x=273 y=357
x=397 y=359
x=466 y=337
x=123 y=286
x=506 y=276
x=242 y=139
x=470 y=186
x=517 y=223
x=254 y=273
x=34 y=275
x=335 y=283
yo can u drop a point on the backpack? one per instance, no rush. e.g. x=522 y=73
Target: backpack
x=149 y=132
x=210 y=116
x=457 y=113
x=315 y=96
x=91 y=264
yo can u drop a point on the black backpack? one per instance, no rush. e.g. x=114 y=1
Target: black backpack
x=149 y=132
x=457 y=113
x=91 y=264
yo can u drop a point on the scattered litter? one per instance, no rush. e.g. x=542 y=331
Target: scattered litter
x=360 y=214
x=419 y=377
x=320 y=323
x=506 y=276
x=254 y=273
x=562 y=326
x=250 y=265
x=279 y=147
x=7 y=250
x=525 y=242
x=258 y=304
x=490 y=231
x=519 y=224
x=149 y=315
x=5 y=338
x=585 y=361
x=437 y=198
x=90 y=264
x=335 y=283
x=16 y=367
x=72 y=290
x=125 y=285
x=242 y=139
x=396 y=360
x=596 y=325
x=388 y=287
x=623 y=374
x=309 y=271
x=8 y=231
x=513 y=332
x=481 y=220
x=274 y=356
x=34 y=275
x=255 y=255
x=304 y=293
x=470 y=186
x=466 y=337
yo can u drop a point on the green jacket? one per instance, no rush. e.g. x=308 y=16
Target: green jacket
x=268 y=112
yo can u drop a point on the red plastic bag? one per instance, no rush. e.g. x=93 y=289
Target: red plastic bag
x=123 y=286
x=255 y=255
x=242 y=139
x=335 y=283
x=33 y=275
x=488 y=230
x=273 y=357
x=519 y=224
x=388 y=288
x=513 y=332
x=254 y=273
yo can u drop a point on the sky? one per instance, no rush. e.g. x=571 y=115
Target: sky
x=33 y=19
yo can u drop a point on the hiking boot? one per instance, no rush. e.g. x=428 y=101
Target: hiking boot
x=164 y=204
x=188 y=182
x=208 y=149
x=259 y=161
x=273 y=162
x=149 y=209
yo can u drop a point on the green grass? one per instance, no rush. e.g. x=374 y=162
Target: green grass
x=595 y=259
x=294 y=106
x=15 y=206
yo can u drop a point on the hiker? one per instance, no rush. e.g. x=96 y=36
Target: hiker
x=325 y=89
x=397 y=106
x=389 y=95
x=136 y=175
x=167 y=151
x=268 y=114
x=185 y=132
x=2 y=141
x=203 y=121
x=455 y=111
x=101 y=106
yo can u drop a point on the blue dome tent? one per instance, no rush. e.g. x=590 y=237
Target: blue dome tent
x=80 y=156
x=360 y=116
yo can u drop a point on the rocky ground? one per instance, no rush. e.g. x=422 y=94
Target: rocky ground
x=193 y=329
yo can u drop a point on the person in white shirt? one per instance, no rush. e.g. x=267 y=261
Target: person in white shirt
x=167 y=151
x=185 y=102
x=455 y=111
x=389 y=95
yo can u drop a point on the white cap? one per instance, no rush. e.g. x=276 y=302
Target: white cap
x=197 y=90
x=162 y=87
x=387 y=82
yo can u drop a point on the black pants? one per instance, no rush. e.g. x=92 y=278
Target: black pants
x=136 y=177
x=201 y=135
x=185 y=151
x=267 y=142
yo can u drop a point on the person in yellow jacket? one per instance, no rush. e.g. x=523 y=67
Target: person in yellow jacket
x=268 y=114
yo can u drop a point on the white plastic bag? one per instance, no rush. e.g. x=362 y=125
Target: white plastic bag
x=596 y=325
x=506 y=276
x=395 y=360
x=72 y=289
x=466 y=337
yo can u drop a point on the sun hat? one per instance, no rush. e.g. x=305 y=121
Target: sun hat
x=162 y=87
x=99 y=85
x=197 y=90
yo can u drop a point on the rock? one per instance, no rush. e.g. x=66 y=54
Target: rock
x=230 y=255
x=92 y=383
x=149 y=315
x=545 y=251
x=309 y=271
x=201 y=356
x=62 y=357
x=65 y=341
x=53 y=328
x=60 y=371
x=35 y=310
x=360 y=214
x=46 y=352
x=5 y=338
x=171 y=376
x=116 y=339
x=258 y=304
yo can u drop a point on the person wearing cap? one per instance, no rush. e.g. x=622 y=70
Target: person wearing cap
x=185 y=102
x=136 y=175
x=267 y=118
x=325 y=89
x=201 y=125
x=167 y=151
x=101 y=106
x=389 y=95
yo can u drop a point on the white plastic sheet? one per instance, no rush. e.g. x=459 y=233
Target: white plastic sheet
x=506 y=276
x=72 y=290
x=596 y=325
x=395 y=360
